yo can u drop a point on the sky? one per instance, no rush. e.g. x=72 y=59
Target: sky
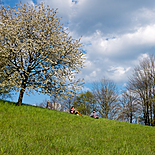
x=116 y=36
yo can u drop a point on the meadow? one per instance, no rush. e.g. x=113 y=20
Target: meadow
x=29 y=130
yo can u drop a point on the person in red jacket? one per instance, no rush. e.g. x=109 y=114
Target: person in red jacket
x=93 y=114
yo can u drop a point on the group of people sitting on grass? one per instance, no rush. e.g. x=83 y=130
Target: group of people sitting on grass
x=73 y=111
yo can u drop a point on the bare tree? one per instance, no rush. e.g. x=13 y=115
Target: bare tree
x=106 y=95
x=38 y=52
x=130 y=106
x=142 y=82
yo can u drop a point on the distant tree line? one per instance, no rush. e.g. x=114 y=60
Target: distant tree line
x=137 y=99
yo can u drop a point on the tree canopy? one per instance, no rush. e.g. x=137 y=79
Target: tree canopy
x=36 y=52
x=85 y=103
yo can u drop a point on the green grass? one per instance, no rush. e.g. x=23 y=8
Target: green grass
x=32 y=130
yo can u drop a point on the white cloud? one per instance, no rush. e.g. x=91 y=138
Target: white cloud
x=65 y=8
x=30 y=2
x=115 y=57
x=84 y=89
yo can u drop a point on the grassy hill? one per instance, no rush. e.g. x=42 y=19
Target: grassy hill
x=32 y=130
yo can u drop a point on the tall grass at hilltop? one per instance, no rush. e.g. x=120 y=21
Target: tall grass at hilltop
x=36 y=131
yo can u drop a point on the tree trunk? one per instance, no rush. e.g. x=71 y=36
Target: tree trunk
x=106 y=115
x=154 y=120
x=21 y=96
x=151 y=114
x=23 y=87
x=131 y=117
x=154 y=115
x=145 y=119
x=147 y=115
x=131 y=110
x=69 y=104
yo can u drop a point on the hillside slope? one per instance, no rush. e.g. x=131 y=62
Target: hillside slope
x=34 y=130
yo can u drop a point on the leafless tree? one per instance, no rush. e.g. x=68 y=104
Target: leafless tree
x=130 y=107
x=106 y=95
x=142 y=82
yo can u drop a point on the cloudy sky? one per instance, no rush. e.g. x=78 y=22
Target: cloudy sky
x=115 y=34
